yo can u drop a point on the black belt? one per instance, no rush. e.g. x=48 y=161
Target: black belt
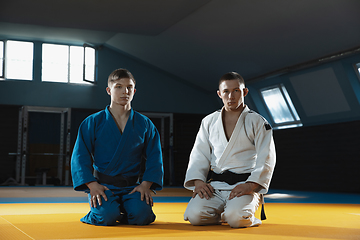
x=232 y=178
x=228 y=177
x=117 y=180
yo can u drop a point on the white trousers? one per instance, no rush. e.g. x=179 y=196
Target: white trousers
x=237 y=212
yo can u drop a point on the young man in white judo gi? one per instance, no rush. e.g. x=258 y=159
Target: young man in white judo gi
x=232 y=161
x=108 y=157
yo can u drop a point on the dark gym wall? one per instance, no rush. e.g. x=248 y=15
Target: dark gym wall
x=323 y=155
x=318 y=158
x=313 y=158
x=157 y=91
x=8 y=140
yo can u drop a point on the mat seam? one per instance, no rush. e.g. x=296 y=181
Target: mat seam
x=18 y=228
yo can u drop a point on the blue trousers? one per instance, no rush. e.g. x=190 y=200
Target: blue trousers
x=120 y=207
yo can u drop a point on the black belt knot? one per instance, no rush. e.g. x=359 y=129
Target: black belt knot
x=228 y=177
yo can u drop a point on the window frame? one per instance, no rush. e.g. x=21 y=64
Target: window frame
x=84 y=64
x=68 y=81
x=285 y=95
x=357 y=69
x=42 y=63
x=5 y=62
x=2 y=73
x=82 y=81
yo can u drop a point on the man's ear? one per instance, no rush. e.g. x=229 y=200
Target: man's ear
x=108 y=91
x=246 y=91
x=218 y=93
x=134 y=90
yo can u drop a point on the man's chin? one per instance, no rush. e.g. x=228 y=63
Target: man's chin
x=233 y=108
x=123 y=103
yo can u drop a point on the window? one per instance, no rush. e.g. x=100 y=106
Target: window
x=66 y=64
x=89 y=66
x=55 y=63
x=76 y=64
x=2 y=59
x=357 y=67
x=280 y=107
x=18 y=60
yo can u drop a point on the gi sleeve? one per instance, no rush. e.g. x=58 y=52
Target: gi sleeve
x=81 y=159
x=154 y=171
x=199 y=162
x=261 y=132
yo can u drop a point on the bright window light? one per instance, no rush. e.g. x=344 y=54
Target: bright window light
x=289 y=102
x=89 y=68
x=65 y=64
x=1 y=59
x=76 y=64
x=277 y=105
x=280 y=106
x=19 y=60
x=357 y=66
x=55 y=60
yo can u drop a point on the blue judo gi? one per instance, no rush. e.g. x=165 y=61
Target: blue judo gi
x=101 y=146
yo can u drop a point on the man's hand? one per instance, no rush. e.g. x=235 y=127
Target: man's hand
x=144 y=190
x=244 y=189
x=96 y=191
x=203 y=189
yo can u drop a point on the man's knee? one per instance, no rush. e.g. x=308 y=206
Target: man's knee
x=102 y=217
x=199 y=215
x=238 y=219
x=194 y=217
x=193 y=213
x=141 y=214
x=110 y=218
x=240 y=212
x=105 y=214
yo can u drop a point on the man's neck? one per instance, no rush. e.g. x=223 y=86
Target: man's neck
x=234 y=113
x=120 y=111
x=229 y=119
x=121 y=115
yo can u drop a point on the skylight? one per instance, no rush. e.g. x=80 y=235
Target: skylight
x=280 y=106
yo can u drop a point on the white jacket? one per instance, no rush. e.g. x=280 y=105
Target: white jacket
x=250 y=149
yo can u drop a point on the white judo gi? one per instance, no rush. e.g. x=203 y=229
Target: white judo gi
x=250 y=149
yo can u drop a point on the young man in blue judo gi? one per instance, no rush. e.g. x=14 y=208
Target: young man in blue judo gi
x=108 y=159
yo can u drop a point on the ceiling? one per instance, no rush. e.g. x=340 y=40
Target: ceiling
x=195 y=40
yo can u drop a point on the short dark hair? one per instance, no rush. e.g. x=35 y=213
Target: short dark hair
x=120 y=73
x=232 y=76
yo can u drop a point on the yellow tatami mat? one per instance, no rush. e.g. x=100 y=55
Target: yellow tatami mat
x=285 y=221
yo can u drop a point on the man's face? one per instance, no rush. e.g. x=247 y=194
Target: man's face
x=121 y=91
x=232 y=94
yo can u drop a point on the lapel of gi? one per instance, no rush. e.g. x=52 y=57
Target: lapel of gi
x=122 y=140
x=233 y=139
x=222 y=134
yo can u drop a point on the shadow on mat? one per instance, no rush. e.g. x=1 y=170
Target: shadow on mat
x=78 y=230
x=265 y=229
x=188 y=227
